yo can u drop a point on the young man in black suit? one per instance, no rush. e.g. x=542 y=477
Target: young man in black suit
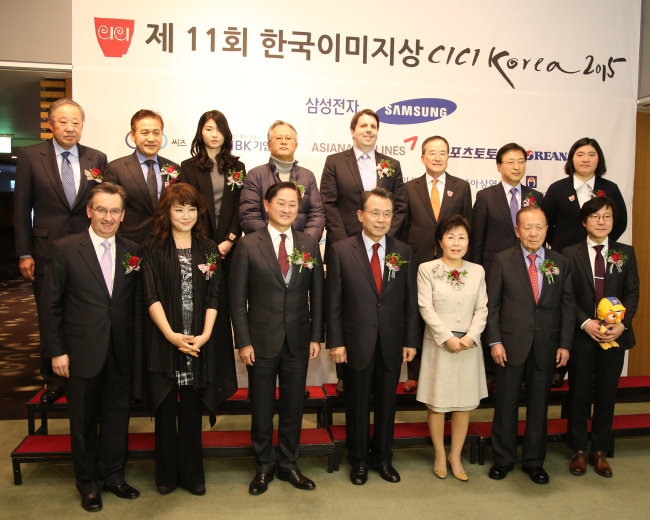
x=89 y=305
x=593 y=369
x=431 y=199
x=143 y=175
x=53 y=180
x=531 y=316
x=371 y=314
x=277 y=316
x=346 y=175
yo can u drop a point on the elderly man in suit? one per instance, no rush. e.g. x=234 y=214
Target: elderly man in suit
x=282 y=167
x=592 y=369
x=53 y=180
x=348 y=174
x=143 y=174
x=531 y=315
x=89 y=307
x=276 y=300
x=426 y=208
x=371 y=314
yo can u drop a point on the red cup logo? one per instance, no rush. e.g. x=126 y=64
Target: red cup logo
x=114 y=36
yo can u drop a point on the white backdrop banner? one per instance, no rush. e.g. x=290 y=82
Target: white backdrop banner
x=481 y=74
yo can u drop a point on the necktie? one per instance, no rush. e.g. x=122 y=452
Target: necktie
x=376 y=268
x=435 y=199
x=152 y=183
x=67 y=179
x=107 y=266
x=514 y=207
x=599 y=274
x=368 y=174
x=534 y=280
x=282 y=256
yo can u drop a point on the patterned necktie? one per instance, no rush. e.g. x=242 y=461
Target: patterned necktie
x=67 y=179
x=283 y=259
x=534 y=280
x=152 y=182
x=376 y=268
x=599 y=274
x=435 y=199
x=107 y=266
x=514 y=207
x=368 y=175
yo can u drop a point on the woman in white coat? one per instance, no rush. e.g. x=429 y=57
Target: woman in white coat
x=453 y=303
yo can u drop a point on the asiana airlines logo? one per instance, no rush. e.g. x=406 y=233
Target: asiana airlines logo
x=414 y=111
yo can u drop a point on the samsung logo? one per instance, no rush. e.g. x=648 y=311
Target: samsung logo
x=414 y=111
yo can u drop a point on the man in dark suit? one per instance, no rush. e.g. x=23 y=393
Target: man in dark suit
x=143 y=174
x=426 y=208
x=593 y=369
x=531 y=315
x=88 y=325
x=495 y=211
x=347 y=175
x=276 y=293
x=371 y=314
x=282 y=167
x=53 y=180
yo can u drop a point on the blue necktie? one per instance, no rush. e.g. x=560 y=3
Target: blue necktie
x=67 y=179
x=514 y=207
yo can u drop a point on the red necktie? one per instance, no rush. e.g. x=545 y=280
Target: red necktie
x=376 y=268
x=282 y=256
x=599 y=274
x=534 y=280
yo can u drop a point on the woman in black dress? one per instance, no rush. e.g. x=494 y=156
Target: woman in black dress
x=185 y=365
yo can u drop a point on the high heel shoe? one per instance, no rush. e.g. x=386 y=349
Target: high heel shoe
x=440 y=473
x=460 y=476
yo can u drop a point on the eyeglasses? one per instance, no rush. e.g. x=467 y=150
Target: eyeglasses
x=282 y=205
x=286 y=138
x=595 y=218
x=520 y=162
x=375 y=214
x=115 y=212
x=64 y=123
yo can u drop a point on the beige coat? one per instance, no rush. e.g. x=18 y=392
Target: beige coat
x=448 y=381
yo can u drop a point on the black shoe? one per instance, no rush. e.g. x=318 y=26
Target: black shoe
x=124 y=491
x=52 y=394
x=537 y=474
x=359 y=476
x=260 y=483
x=499 y=471
x=307 y=394
x=297 y=479
x=389 y=474
x=199 y=491
x=558 y=381
x=91 y=502
x=165 y=490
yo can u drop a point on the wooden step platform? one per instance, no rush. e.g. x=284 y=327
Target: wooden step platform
x=628 y=426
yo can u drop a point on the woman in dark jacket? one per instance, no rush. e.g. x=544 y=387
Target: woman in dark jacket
x=184 y=363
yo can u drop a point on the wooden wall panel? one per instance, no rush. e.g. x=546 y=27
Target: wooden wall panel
x=639 y=360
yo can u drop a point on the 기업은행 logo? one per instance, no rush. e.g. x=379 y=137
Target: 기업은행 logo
x=114 y=36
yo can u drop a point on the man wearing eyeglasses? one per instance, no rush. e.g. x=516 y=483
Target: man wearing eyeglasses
x=53 y=180
x=602 y=268
x=371 y=315
x=89 y=305
x=431 y=198
x=282 y=167
x=276 y=301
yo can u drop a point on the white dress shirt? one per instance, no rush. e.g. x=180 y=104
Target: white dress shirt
x=145 y=169
x=73 y=158
x=507 y=188
x=584 y=190
x=367 y=168
x=592 y=262
x=381 y=252
x=288 y=244
x=99 y=251
x=440 y=185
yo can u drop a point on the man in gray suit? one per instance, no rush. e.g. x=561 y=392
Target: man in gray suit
x=53 y=180
x=276 y=297
x=531 y=317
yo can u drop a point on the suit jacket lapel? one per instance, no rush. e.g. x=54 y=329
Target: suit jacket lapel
x=502 y=203
x=120 y=272
x=133 y=165
x=299 y=244
x=361 y=256
x=52 y=169
x=84 y=164
x=519 y=265
x=585 y=264
x=205 y=183
x=268 y=252
x=423 y=191
x=570 y=191
x=351 y=160
x=89 y=255
x=450 y=186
